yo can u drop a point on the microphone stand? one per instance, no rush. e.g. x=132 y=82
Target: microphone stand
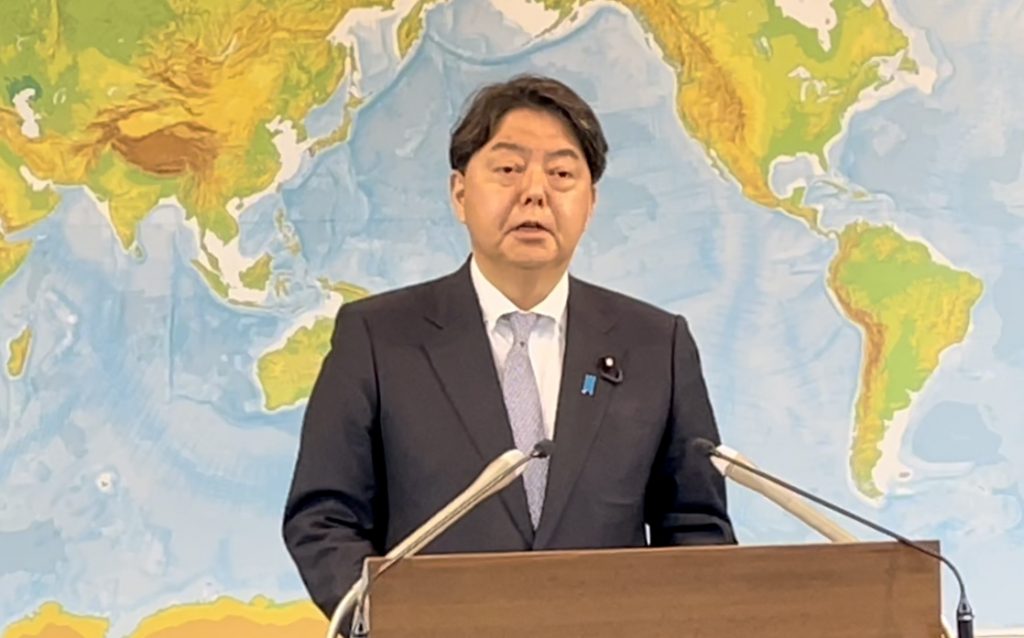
x=964 y=612
x=355 y=598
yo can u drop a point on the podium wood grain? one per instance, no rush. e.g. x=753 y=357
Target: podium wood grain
x=860 y=590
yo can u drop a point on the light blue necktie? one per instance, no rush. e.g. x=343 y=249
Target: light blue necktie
x=522 y=402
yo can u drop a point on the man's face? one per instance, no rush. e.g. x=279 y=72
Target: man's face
x=526 y=196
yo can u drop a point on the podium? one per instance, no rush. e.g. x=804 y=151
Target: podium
x=855 y=590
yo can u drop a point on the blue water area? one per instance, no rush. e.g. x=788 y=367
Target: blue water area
x=954 y=432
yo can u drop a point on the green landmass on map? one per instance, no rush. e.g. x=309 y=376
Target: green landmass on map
x=910 y=309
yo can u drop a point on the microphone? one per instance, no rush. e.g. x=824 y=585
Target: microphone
x=498 y=475
x=736 y=467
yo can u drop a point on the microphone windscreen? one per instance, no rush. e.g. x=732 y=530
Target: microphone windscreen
x=704 y=446
x=544 y=449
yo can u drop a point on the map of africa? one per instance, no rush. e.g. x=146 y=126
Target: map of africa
x=831 y=191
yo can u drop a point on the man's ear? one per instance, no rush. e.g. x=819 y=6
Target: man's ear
x=457 y=190
x=593 y=204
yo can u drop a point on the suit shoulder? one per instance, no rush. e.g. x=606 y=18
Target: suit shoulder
x=391 y=302
x=631 y=310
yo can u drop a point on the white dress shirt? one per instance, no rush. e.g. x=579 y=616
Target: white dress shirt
x=547 y=341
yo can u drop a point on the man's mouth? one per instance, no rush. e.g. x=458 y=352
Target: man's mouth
x=530 y=227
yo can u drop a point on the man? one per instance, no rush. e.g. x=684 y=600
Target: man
x=424 y=386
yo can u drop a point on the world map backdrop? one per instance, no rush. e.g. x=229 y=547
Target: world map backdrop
x=831 y=191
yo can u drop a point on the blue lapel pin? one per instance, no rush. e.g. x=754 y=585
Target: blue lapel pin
x=589 y=385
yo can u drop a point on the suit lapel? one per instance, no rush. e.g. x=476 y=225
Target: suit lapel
x=461 y=357
x=579 y=415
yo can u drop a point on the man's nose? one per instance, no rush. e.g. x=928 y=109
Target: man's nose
x=534 y=191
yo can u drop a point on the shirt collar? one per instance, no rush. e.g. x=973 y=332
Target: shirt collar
x=494 y=303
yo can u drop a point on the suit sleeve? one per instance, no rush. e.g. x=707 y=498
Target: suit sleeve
x=333 y=517
x=686 y=498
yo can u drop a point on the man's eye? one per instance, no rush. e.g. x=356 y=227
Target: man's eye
x=562 y=174
x=507 y=170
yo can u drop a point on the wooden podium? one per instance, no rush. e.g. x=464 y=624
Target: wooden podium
x=856 y=590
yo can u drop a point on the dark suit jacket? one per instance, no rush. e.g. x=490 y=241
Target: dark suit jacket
x=407 y=410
